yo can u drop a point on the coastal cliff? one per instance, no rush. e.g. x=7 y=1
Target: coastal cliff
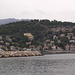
x=19 y=53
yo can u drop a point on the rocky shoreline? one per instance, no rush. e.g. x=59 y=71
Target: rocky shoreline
x=19 y=53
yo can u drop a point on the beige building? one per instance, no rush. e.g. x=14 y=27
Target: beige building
x=67 y=47
x=55 y=37
x=48 y=41
x=59 y=49
x=62 y=35
x=73 y=37
x=54 y=47
x=7 y=43
x=28 y=43
x=59 y=41
x=29 y=35
x=0 y=37
x=32 y=46
x=12 y=48
x=46 y=47
x=1 y=46
x=8 y=38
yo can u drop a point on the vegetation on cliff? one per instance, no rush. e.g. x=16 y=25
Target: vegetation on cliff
x=40 y=29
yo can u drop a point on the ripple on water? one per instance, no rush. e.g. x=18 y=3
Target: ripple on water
x=61 y=64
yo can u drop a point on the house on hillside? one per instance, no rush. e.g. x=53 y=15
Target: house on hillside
x=1 y=41
x=53 y=29
x=39 y=47
x=12 y=48
x=54 y=47
x=48 y=41
x=58 y=41
x=72 y=41
x=1 y=46
x=29 y=35
x=63 y=29
x=1 y=50
x=0 y=37
x=70 y=34
x=28 y=49
x=72 y=47
x=5 y=48
x=45 y=47
x=62 y=35
x=73 y=27
x=73 y=37
x=55 y=37
x=67 y=47
x=7 y=43
x=58 y=29
x=32 y=46
x=28 y=43
x=8 y=38
x=52 y=42
x=59 y=49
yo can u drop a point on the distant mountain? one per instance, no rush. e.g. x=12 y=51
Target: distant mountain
x=10 y=20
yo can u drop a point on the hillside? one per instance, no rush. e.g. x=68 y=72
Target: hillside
x=11 y=20
x=42 y=30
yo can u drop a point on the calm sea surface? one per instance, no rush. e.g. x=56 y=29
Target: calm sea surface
x=56 y=64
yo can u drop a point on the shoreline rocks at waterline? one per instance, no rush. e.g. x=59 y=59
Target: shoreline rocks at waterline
x=19 y=53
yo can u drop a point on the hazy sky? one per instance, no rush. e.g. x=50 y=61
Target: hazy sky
x=63 y=10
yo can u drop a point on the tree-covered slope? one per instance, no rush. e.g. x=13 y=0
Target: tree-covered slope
x=40 y=29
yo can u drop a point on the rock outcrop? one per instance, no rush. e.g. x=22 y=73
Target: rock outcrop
x=19 y=53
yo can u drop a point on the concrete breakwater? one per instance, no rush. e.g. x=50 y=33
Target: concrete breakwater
x=19 y=53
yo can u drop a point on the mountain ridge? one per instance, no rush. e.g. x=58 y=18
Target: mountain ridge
x=11 y=20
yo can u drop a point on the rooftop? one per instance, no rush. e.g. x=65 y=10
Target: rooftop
x=28 y=34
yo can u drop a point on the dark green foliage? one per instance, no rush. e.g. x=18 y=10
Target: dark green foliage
x=61 y=45
x=36 y=43
x=40 y=29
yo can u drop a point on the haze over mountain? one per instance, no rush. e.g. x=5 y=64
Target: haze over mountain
x=10 y=20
